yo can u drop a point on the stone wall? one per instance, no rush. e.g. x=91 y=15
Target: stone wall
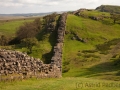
x=15 y=65
x=57 y=57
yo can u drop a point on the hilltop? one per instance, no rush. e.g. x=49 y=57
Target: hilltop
x=109 y=8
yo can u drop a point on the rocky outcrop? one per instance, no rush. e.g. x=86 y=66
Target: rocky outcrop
x=96 y=18
x=78 y=38
x=17 y=65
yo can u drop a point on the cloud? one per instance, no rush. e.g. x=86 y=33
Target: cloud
x=12 y=6
x=27 y=2
x=8 y=3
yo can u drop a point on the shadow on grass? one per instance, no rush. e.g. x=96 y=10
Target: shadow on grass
x=108 y=22
x=47 y=56
x=105 y=68
x=52 y=40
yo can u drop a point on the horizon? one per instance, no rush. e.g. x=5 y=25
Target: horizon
x=38 y=6
x=34 y=12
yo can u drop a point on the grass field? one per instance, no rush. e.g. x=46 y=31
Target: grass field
x=68 y=83
x=9 y=27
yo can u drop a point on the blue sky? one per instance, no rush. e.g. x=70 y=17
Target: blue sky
x=38 y=6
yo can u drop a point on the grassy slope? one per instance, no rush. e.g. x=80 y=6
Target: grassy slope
x=89 y=64
x=10 y=27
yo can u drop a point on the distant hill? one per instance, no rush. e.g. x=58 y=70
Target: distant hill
x=31 y=14
x=27 y=14
x=109 y=8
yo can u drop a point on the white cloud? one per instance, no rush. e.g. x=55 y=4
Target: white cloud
x=12 y=6
x=31 y=1
x=9 y=3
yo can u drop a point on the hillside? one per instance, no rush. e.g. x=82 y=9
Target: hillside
x=92 y=37
x=91 y=50
x=84 y=56
x=109 y=8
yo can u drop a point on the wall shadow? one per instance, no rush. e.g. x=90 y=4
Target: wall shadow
x=52 y=40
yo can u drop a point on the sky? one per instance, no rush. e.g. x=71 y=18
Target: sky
x=40 y=6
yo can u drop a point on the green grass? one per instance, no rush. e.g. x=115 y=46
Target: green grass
x=87 y=28
x=10 y=27
x=95 y=32
x=43 y=48
x=95 y=13
x=86 y=64
x=69 y=83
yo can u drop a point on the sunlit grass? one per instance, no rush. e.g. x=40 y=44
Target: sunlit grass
x=69 y=83
x=10 y=27
x=96 y=33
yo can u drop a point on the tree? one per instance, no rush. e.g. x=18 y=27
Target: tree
x=50 y=18
x=38 y=23
x=29 y=43
x=115 y=17
x=3 y=40
x=48 y=21
x=29 y=29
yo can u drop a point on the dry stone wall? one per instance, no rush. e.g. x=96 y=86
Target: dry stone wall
x=16 y=65
x=57 y=57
